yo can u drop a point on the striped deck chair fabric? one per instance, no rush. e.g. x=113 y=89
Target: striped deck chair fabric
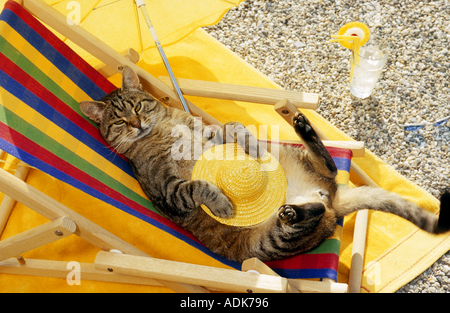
x=41 y=82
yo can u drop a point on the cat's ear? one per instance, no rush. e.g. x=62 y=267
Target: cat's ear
x=93 y=109
x=130 y=80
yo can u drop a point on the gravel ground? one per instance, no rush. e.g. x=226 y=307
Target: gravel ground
x=287 y=40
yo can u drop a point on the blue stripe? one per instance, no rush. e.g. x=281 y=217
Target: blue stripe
x=53 y=55
x=307 y=273
x=342 y=164
x=20 y=92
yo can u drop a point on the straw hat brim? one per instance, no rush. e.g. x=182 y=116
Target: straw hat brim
x=256 y=187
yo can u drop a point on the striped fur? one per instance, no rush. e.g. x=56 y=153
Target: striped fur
x=141 y=128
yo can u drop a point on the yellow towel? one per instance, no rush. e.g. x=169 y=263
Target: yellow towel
x=396 y=250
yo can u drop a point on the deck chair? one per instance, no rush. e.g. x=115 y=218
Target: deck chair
x=94 y=222
x=42 y=81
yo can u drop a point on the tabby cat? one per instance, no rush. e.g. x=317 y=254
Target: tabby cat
x=140 y=127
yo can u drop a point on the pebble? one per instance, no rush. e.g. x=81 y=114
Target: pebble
x=288 y=41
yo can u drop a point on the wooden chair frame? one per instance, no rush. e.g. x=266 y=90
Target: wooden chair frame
x=131 y=265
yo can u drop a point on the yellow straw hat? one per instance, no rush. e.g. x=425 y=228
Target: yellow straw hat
x=255 y=187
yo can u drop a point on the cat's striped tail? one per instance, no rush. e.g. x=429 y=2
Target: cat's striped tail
x=349 y=200
x=444 y=214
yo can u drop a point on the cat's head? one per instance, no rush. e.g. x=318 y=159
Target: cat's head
x=125 y=115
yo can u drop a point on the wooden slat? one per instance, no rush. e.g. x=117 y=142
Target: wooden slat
x=206 y=276
x=309 y=286
x=287 y=110
x=357 y=147
x=58 y=269
x=33 y=238
x=130 y=54
x=8 y=202
x=257 y=265
x=233 y=92
x=52 y=209
x=358 y=249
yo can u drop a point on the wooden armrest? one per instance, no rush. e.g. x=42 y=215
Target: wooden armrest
x=217 y=90
x=209 y=277
x=357 y=147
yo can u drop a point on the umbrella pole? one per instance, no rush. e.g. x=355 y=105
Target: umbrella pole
x=141 y=4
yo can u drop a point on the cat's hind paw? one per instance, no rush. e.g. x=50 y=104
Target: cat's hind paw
x=287 y=214
x=238 y=133
x=443 y=224
x=293 y=214
x=303 y=127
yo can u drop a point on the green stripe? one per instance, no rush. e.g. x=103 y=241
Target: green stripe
x=327 y=246
x=40 y=138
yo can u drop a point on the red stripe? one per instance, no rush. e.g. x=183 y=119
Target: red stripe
x=25 y=144
x=340 y=153
x=62 y=48
x=308 y=261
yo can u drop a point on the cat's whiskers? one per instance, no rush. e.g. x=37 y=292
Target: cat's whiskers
x=111 y=150
x=123 y=140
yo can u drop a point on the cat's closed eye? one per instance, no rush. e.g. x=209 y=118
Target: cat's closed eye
x=138 y=107
x=150 y=105
x=119 y=122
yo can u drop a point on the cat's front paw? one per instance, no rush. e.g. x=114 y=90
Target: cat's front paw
x=220 y=206
x=303 y=128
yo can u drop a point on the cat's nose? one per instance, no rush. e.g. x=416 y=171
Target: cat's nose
x=135 y=122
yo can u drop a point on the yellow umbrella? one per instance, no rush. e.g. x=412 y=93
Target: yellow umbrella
x=119 y=24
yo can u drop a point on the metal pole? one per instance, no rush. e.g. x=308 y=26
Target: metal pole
x=141 y=4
